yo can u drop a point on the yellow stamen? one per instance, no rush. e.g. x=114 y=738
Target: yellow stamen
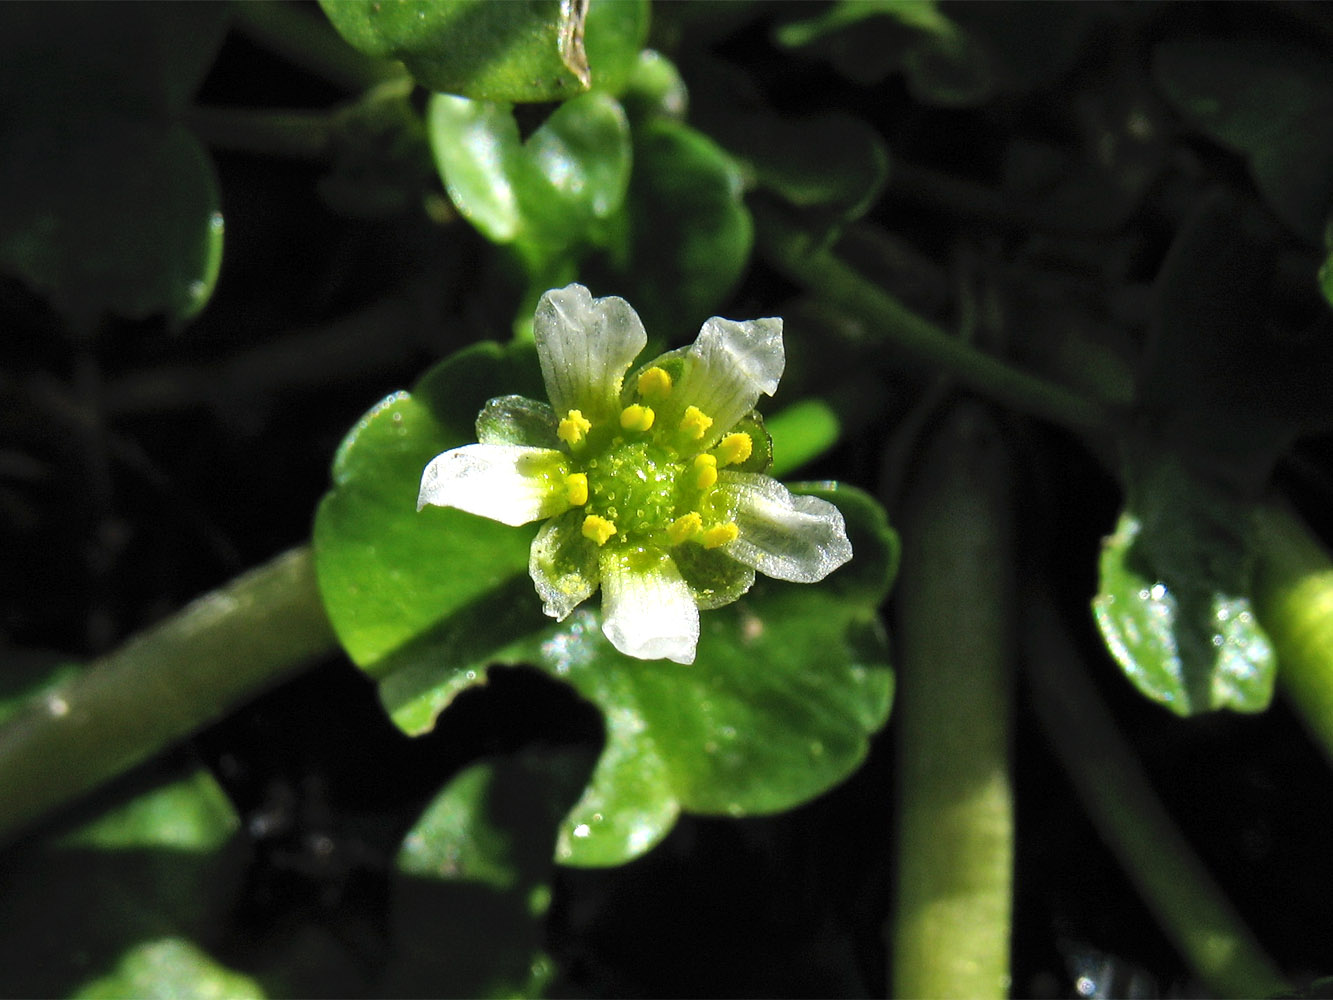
x=720 y=534
x=655 y=383
x=573 y=428
x=576 y=488
x=705 y=471
x=636 y=417
x=734 y=448
x=682 y=529
x=695 y=422
x=599 y=529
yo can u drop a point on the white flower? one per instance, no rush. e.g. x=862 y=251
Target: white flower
x=652 y=485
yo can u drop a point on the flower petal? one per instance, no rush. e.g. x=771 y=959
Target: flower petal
x=563 y=564
x=783 y=535
x=585 y=346
x=647 y=609
x=508 y=483
x=518 y=420
x=726 y=370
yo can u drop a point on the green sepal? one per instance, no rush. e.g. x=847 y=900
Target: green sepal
x=715 y=579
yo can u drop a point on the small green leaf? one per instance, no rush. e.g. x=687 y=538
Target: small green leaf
x=546 y=194
x=1269 y=101
x=169 y=967
x=387 y=573
x=473 y=877
x=1173 y=601
x=955 y=55
x=613 y=36
x=111 y=215
x=488 y=51
x=118 y=906
x=1222 y=383
x=835 y=163
x=689 y=234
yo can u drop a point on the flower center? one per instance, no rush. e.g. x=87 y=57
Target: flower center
x=633 y=485
x=643 y=484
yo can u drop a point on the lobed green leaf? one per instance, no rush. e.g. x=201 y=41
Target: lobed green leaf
x=789 y=682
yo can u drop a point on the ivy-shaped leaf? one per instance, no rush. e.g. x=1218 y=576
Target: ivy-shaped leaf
x=1269 y=101
x=788 y=684
x=472 y=880
x=126 y=903
x=106 y=203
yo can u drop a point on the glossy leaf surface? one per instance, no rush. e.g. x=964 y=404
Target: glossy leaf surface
x=106 y=203
x=788 y=684
x=119 y=905
x=544 y=194
x=472 y=880
x=487 y=51
x=111 y=215
x=1173 y=601
x=689 y=235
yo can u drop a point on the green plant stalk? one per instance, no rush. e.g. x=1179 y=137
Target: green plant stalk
x=950 y=930
x=1293 y=597
x=1118 y=797
x=160 y=687
x=816 y=268
x=299 y=135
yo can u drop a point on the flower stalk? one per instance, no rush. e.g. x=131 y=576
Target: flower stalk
x=160 y=687
x=950 y=932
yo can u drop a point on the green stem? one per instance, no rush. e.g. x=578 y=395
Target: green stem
x=1293 y=597
x=299 y=135
x=1120 y=801
x=952 y=919
x=160 y=687
x=307 y=40
x=820 y=271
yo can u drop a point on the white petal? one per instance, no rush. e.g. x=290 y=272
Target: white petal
x=509 y=483
x=518 y=420
x=647 y=610
x=563 y=565
x=585 y=346
x=783 y=535
x=727 y=369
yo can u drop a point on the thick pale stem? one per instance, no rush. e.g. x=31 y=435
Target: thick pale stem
x=160 y=687
x=952 y=918
x=1294 y=599
x=1119 y=799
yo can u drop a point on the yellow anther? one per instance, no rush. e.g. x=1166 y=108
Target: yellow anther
x=576 y=488
x=573 y=428
x=695 y=423
x=599 y=529
x=655 y=383
x=720 y=534
x=636 y=417
x=705 y=471
x=682 y=529
x=734 y=448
